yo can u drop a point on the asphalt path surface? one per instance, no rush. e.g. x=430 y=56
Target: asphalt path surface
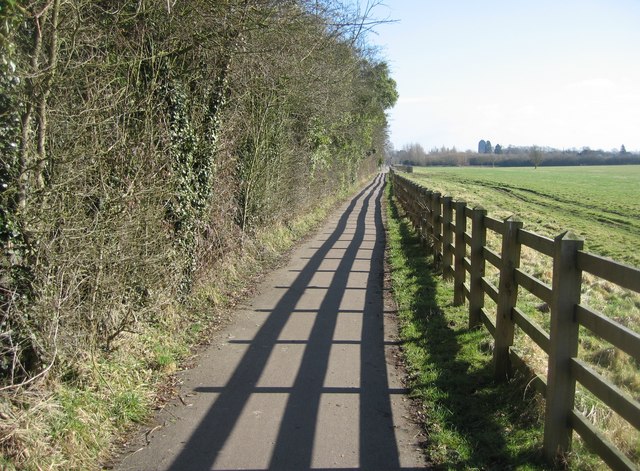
x=305 y=377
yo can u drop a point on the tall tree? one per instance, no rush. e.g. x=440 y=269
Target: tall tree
x=536 y=155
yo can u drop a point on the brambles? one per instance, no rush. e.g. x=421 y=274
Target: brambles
x=143 y=145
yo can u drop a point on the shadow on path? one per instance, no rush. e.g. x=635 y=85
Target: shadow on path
x=296 y=438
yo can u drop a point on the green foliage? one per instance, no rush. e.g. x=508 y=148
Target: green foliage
x=378 y=92
x=16 y=278
x=192 y=164
x=143 y=146
x=488 y=148
x=9 y=129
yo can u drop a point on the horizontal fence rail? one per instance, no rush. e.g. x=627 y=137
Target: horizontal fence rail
x=455 y=235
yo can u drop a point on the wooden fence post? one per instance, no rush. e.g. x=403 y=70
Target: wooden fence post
x=419 y=211
x=478 y=240
x=447 y=237
x=429 y=222
x=405 y=199
x=412 y=204
x=507 y=298
x=563 y=345
x=437 y=228
x=424 y=218
x=460 y=252
x=409 y=207
x=398 y=190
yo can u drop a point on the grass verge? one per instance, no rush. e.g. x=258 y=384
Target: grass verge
x=73 y=417
x=549 y=201
x=471 y=422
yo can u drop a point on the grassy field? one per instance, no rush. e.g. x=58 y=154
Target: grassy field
x=471 y=421
x=601 y=204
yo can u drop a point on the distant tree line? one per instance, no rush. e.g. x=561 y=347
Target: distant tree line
x=511 y=156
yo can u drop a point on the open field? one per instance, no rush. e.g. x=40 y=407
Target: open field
x=601 y=204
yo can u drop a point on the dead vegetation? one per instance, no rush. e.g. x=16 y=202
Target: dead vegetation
x=149 y=149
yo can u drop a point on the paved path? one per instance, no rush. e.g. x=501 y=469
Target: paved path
x=305 y=377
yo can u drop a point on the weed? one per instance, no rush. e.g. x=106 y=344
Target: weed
x=128 y=406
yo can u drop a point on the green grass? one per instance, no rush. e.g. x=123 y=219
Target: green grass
x=600 y=203
x=486 y=187
x=471 y=422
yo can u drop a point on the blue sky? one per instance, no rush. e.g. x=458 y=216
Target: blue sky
x=561 y=73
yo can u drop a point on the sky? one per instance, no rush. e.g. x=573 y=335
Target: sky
x=561 y=73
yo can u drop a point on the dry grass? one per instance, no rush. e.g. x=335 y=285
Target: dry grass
x=70 y=418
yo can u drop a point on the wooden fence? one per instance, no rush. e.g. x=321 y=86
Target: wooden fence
x=443 y=222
